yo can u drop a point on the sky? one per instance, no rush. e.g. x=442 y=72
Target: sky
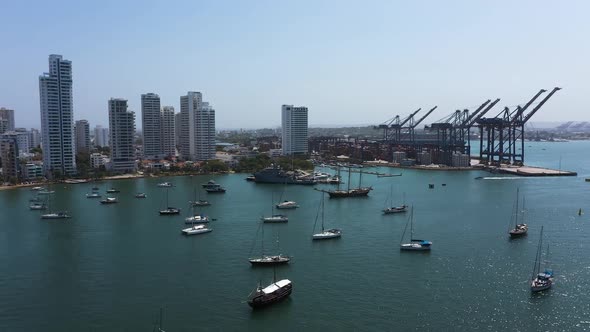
x=349 y=62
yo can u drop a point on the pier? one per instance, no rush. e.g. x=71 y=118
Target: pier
x=529 y=171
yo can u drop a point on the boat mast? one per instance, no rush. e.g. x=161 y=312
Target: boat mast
x=262 y=246
x=339 y=178
x=349 y=171
x=537 y=265
x=517 y=211
x=412 y=225
x=323 y=212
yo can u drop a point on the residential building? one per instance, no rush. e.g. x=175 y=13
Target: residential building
x=57 y=117
x=22 y=140
x=32 y=171
x=168 y=132
x=122 y=132
x=294 y=126
x=98 y=159
x=177 y=128
x=197 y=132
x=9 y=158
x=82 y=136
x=151 y=125
x=101 y=136
x=6 y=120
x=34 y=138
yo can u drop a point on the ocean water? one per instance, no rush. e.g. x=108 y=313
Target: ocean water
x=111 y=268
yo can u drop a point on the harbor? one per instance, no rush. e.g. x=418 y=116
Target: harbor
x=124 y=261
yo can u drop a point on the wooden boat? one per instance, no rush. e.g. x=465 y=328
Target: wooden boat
x=275 y=292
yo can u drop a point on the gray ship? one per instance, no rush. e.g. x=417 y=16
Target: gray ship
x=275 y=174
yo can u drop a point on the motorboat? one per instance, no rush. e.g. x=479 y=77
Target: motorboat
x=113 y=191
x=37 y=206
x=140 y=195
x=165 y=184
x=109 y=200
x=197 y=229
x=200 y=202
x=37 y=188
x=93 y=195
x=196 y=219
x=45 y=192
x=216 y=190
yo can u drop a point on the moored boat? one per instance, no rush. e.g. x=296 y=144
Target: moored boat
x=275 y=218
x=109 y=200
x=216 y=190
x=93 y=195
x=164 y=184
x=270 y=294
x=55 y=215
x=197 y=229
x=287 y=205
x=325 y=234
x=140 y=195
x=113 y=191
x=414 y=244
x=520 y=229
x=541 y=280
x=196 y=219
x=200 y=202
x=396 y=209
x=37 y=206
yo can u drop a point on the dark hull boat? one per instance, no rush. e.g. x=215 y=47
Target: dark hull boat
x=218 y=190
x=357 y=192
x=275 y=174
x=270 y=260
x=275 y=292
x=170 y=211
x=397 y=209
x=519 y=231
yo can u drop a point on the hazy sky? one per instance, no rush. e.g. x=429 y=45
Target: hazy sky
x=358 y=62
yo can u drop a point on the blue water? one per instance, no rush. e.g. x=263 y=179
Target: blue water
x=113 y=267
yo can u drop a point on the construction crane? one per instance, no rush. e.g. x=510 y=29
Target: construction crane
x=394 y=123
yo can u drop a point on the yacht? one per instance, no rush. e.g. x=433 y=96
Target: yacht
x=93 y=195
x=275 y=218
x=109 y=200
x=56 y=215
x=197 y=229
x=113 y=191
x=196 y=219
x=200 y=202
x=37 y=206
x=287 y=205
x=165 y=184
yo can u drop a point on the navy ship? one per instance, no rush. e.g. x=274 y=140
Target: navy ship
x=275 y=174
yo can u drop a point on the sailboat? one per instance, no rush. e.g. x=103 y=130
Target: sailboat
x=395 y=209
x=195 y=218
x=541 y=280
x=38 y=204
x=54 y=214
x=274 y=218
x=196 y=229
x=169 y=210
x=331 y=233
x=275 y=292
x=158 y=326
x=521 y=229
x=199 y=202
x=268 y=259
x=286 y=204
x=414 y=244
x=360 y=191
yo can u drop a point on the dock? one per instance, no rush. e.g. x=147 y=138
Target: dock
x=529 y=171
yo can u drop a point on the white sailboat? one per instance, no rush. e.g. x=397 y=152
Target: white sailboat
x=274 y=218
x=196 y=229
x=54 y=214
x=168 y=210
x=414 y=244
x=195 y=218
x=541 y=280
x=331 y=233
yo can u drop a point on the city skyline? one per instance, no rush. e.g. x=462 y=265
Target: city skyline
x=364 y=64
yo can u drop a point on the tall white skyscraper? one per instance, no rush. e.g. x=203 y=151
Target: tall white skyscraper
x=151 y=125
x=294 y=121
x=34 y=138
x=6 y=120
x=82 y=129
x=101 y=136
x=168 y=133
x=197 y=132
x=122 y=132
x=57 y=117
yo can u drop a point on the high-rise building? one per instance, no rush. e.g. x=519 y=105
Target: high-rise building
x=167 y=133
x=122 y=132
x=57 y=117
x=197 y=132
x=177 y=129
x=34 y=138
x=21 y=138
x=9 y=158
x=101 y=136
x=6 y=120
x=82 y=136
x=151 y=125
x=294 y=121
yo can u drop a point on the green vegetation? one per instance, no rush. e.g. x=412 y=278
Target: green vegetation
x=253 y=164
x=215 y=166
